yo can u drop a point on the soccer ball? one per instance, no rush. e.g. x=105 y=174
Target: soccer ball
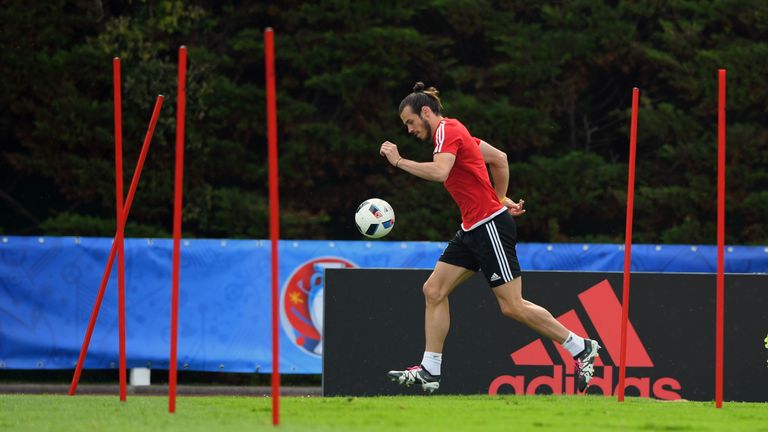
x=374 y=218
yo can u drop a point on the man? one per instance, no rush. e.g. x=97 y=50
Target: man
x=486 y=240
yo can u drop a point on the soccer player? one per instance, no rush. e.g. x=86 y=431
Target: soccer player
x=486 y=240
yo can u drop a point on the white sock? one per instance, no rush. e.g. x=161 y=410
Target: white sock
x=574 y=344
x=431 y=362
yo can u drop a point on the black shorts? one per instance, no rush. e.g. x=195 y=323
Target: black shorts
x=489 y=247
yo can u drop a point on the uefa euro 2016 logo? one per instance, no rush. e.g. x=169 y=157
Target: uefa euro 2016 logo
x=301 y=303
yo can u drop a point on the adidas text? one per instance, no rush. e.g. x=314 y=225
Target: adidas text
x=665 y=388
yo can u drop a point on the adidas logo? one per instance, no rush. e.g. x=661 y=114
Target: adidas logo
x=495 y=277
x=604 y=311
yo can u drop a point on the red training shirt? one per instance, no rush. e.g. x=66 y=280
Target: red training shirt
x=468 y=182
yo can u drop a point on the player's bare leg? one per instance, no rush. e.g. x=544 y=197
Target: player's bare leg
x=437 y=317
x=584 y=351
x=437 y=320
x=534 y=316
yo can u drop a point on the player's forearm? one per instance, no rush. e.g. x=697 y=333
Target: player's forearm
x=427 y=170
x=500 y=176
x=498 y=166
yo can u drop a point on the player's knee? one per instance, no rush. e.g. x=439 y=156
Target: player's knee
x=433 y=293
x=514 y=310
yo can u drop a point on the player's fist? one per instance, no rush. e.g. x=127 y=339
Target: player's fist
x=514 y=208
x=389 y=151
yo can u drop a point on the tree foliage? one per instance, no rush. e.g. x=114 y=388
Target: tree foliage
x=547 y=82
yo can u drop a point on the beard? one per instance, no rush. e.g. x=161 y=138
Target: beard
x=428 y=128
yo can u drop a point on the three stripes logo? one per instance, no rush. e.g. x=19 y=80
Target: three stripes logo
x=604 y=311
x=439 y=137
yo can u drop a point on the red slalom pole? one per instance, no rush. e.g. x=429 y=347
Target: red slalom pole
x=274 y=214
x=628 y=242
x=120 y=235
x=113 y=251
x=720 y=239
x=181 y=102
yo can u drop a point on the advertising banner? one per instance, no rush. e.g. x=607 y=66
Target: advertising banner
x=375 y=323
x=48 y=288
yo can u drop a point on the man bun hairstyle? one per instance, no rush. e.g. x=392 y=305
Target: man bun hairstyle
x=420 y=97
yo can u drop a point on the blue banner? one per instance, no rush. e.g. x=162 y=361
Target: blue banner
x=48 y=287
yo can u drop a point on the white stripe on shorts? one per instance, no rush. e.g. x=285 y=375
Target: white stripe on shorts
x=498 y=249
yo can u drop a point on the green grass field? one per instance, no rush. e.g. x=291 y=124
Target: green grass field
x=433 y=413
